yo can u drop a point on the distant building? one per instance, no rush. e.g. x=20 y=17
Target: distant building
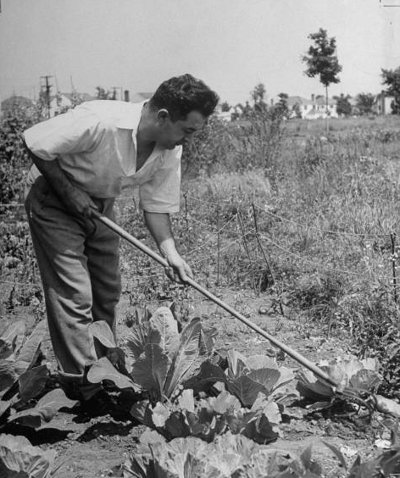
x=383 y=104
x=234 y=112
x=313 y=108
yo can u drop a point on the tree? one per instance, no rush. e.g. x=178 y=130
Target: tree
x=258 y=95
x=321 y=60
x=391 y=78
x=343 y=105
x=364 y=103
x=225 y=106
x=297 y=110
x=282 y=105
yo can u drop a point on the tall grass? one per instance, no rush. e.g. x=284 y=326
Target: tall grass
x=328 y=211
x=280 y=207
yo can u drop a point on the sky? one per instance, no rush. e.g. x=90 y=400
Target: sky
x=232 y=45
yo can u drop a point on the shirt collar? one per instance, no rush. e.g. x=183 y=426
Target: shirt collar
x=130 y=117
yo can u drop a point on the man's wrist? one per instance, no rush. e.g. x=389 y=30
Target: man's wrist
x=167 y=248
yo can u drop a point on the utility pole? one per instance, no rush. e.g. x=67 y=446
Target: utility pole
x=45 y=91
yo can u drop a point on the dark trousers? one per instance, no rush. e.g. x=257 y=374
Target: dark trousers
x=79 y=265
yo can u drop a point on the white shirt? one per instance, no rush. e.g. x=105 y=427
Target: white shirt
x=95 y=144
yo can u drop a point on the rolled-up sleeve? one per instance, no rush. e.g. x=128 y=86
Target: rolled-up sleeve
x=72 y=132
x=161 y=194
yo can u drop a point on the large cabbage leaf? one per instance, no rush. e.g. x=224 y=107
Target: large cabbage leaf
x=33 y=382
x=227 y=456
x=247 y=377
x=103 y=333
x=11 y=338
x=207 y=375
x=349 y=373
x=8 y=374
x=45 y=409
x=164 y=322
x=18 y=458
x=103 y=369
x=146 y=328
x=151 y=368
x=184 y=360
x=39 y=337
x=210 y=417
x=163 y=357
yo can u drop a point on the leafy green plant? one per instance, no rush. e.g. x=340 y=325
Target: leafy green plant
x=356 y=379
x=162 y=357
x=244 y=377
x=226 y=457
x=18 y=458
x=210 y=417
x=24 y=395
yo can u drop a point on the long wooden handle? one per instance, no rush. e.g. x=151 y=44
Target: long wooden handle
x=292 y=353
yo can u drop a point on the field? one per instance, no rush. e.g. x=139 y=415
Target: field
x=297 y=230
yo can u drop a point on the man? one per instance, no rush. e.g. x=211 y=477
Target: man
x=81 y=160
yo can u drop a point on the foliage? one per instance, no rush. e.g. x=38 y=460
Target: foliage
x=282 y=105
x=343 y=105
x=210 y=417
x=321 y=59
x=364 y=103
x=162 y=357
x=353 y=377
x=235 y=455
x=239 y=146
x=226 y=457
x=225 y=106
x=391 y=78
x=14 y=161
x=245 y=377
x=258 y=95
x=24 y=398
x=19 y=459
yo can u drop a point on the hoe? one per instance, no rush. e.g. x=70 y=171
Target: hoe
x=355 y=395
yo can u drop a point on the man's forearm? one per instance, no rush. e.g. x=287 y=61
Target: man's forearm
x=159 y=225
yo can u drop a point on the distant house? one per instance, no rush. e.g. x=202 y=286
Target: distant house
x=383 y=104
x=226 y=116
x=313 y=108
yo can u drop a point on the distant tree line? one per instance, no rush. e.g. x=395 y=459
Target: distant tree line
x=322 y=62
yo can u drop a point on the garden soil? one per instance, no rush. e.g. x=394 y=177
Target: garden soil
x=96 y=447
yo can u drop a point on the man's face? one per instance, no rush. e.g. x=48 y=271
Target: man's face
x=173 y=133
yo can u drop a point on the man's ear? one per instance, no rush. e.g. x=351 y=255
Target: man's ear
x=162 y=115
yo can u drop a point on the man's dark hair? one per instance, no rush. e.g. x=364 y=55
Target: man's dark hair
x=182 y=94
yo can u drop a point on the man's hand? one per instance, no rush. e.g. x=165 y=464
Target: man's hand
x=78 y=202
x=159 y=225
x=180 y=270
